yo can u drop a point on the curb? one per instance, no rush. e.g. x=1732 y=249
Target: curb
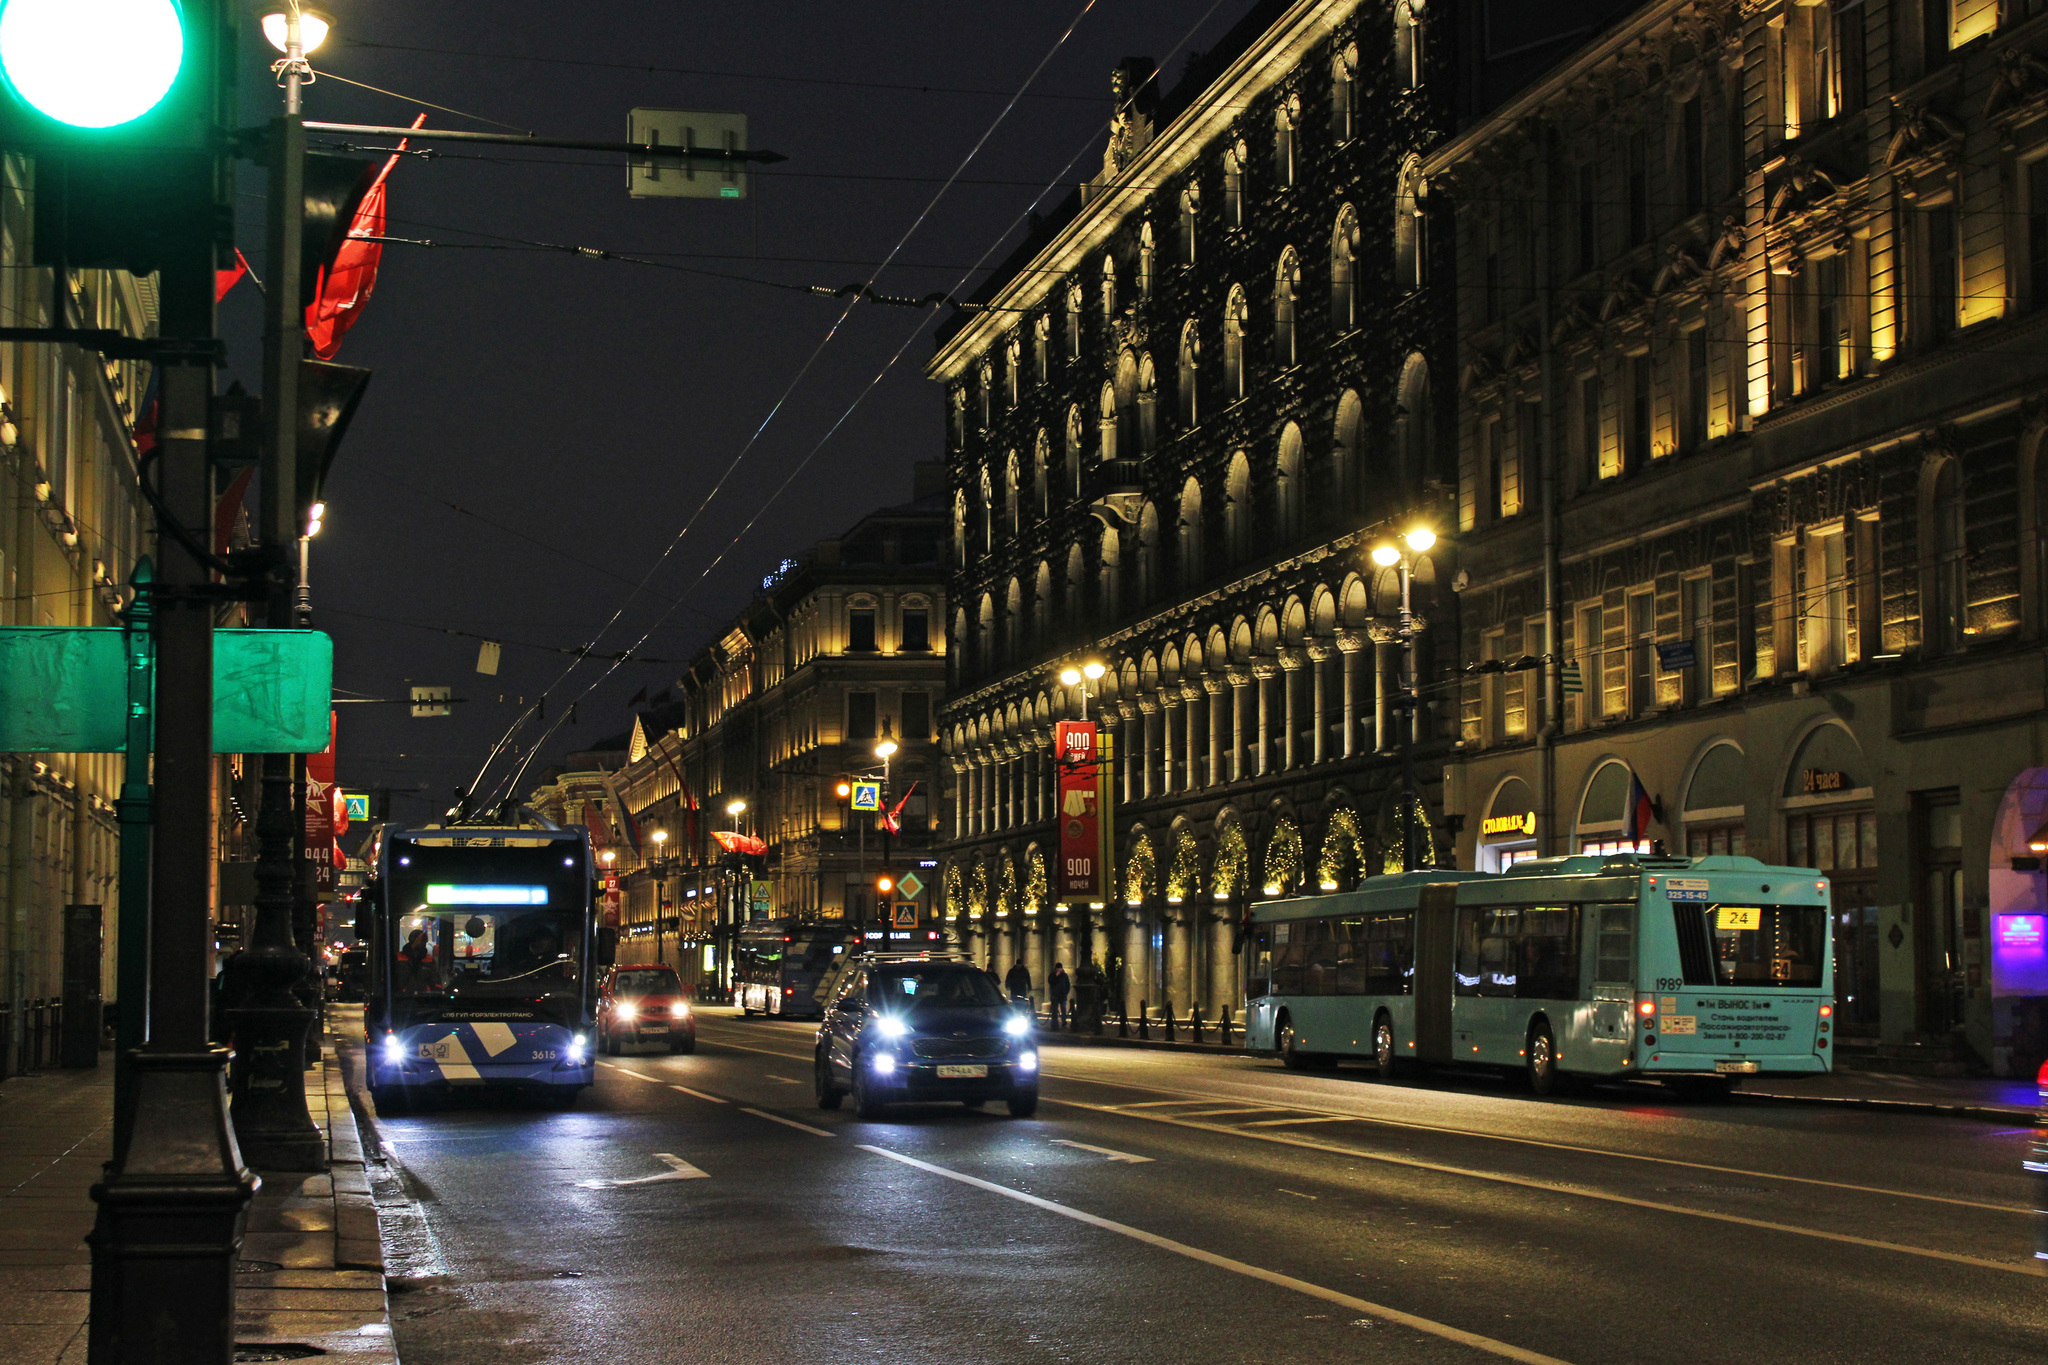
x=1143 y=1044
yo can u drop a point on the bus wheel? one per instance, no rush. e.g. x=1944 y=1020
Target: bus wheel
x=1291 y=1056
x=1383 y=1048
x=1542 y=1055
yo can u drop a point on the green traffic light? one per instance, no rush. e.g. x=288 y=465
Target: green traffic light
x=91 y=63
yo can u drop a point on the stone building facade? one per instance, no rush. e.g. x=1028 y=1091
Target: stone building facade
x=71 y=527
x=837 y=652
x=1749 y=481
x=1179 y=418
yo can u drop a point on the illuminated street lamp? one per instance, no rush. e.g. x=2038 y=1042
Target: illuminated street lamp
x=1417 y=542
x=1085 y=677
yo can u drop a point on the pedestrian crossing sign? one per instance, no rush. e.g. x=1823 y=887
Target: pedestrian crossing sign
x=867 y=796
x=905 y=915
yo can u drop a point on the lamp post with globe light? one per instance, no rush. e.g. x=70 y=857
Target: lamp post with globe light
x=1084 y=677
x=1403 y=555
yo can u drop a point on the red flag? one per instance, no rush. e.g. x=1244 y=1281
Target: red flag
x=224 y=280
x=342 y=291
x=893 y=821
x=228 y=508
x=732 y=842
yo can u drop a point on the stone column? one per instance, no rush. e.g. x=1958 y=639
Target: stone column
x=1224 y=988
x=1352 y=644
x=1213 y=684
x=1137 y=959
x=1193 y=732
x=1320 y=653
x=1262 y=751
x=970 y=791
x=1240 y=683
x=1386 y=660
x=1177 y=989
x=1063 y=937
x=1013 y=803
x=1170 y=719
x=959 y=797
x=1291 y=663
x=1148 y=720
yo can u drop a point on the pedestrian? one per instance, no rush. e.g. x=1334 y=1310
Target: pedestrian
x=994 y=980
x=1058 y=986
x=1089 y=990
x=1017 y=981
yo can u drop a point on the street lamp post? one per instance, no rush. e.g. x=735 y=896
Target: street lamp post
x=885 y=749
x=1084 y=678
x=660 y=871
x=1412 y=546
x=737 y=897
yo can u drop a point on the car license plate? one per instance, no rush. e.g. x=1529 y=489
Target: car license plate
x=1743 y=1068
x=963 y=1073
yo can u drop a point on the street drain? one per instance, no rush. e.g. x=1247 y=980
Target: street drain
x=258 y=1267
x=283 y=1351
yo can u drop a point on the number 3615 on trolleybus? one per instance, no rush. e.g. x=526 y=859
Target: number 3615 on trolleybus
x=1693 y=971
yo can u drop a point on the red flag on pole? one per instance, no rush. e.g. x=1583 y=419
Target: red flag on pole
x=342 y=291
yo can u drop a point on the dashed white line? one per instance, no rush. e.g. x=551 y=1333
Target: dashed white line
x=698 y=1094
x=777 y=1118
x=1112 y=1153
x=1274 y=1277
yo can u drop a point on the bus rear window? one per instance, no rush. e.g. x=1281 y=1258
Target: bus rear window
x=1765 y=945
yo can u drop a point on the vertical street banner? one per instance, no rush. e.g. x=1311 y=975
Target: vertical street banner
x=1083 y=871
x=613 y=901
x=318 y=847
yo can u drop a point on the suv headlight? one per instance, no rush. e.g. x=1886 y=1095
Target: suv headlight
x=1016 y=1026
x=889 y=1026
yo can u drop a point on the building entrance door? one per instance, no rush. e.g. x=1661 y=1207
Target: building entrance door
x=1943 y=981
x=1856 y=956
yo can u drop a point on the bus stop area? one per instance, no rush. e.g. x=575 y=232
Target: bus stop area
x=311 y=1276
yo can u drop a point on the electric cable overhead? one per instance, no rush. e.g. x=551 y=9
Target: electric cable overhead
x=802 y=372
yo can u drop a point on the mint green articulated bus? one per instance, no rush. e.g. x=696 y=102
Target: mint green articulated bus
x=1692 y=971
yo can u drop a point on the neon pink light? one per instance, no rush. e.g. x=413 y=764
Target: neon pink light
x=2022 y=933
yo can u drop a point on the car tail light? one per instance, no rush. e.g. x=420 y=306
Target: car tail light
x=789 y=990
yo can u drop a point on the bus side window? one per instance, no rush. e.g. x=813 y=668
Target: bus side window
x=1353 y=959
x=1321 y=975
x=1616 y=959
x=1549 y=954
x=1465 y=970
x=1288 y=950
x=1389 y=954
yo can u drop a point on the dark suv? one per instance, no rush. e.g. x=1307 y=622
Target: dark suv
x=924 y=1028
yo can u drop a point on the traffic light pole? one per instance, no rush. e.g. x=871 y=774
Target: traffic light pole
x=171 y=1207
x=269 y=1021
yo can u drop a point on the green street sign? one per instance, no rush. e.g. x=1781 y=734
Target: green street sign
x=64 y=689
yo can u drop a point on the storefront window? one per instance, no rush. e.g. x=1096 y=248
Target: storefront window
x=1708 y=841
x=1836 y=841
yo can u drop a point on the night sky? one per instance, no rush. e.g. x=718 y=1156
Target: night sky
x=588 y=408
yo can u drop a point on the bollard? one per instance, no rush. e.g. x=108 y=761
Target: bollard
x=1144 y=1021
x=1169 y=1022
x=1223 y=1027
x=1195 y=1022
x=1123 y=1019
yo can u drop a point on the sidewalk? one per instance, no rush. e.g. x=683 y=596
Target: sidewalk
x=312 y=1262
x=2015 y=1102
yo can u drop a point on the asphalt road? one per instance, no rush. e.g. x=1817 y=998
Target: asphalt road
x=1166 y=1207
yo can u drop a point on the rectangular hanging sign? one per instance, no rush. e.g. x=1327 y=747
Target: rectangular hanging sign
x=1076 y=759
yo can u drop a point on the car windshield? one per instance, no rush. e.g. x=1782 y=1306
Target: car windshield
x=911 y=987
x=494 y=946
x=646 y=983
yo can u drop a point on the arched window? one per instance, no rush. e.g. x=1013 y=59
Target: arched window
x=987 y=390
x=1076 y=434
x=1077 y=576
x=1945 y=561
x=1012 y=513
x=1107 y=430
x=1041 y=347
x=1075 y=305
x=1148 y=553
x=1013 y=368
x=1191 y=564
x=1126 y=384
x=1414 y=425
x=961 y=549
x=1344 y=270
x=1190 y=205
x=1289 y=494
x=1408 y=53
x=1108 y=287
x=1237 y=314
x=1286 y=284
x=1041 y=607
x=1190 y=363
x=1233 y=186
x=988 y=510
x=1145 y=254
x=985 y=633
x=1041 y=487
x=1109 y=587
x=1343 y=91
x=959 y=412
x=1013 y=622
x=1237 y=508
x=1285 y=120
x=1411 y=238
x=1344 y=452
x=1148 y=407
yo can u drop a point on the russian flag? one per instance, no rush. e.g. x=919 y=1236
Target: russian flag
x=1641 y=812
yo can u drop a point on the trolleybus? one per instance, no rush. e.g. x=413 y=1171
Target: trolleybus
x=1693 y=971
x=779 y=964
x=481 y=945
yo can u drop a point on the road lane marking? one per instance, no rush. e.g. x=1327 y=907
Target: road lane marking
x=1189 y=1097
x=1193 y=1098
x=1273 y=1277
x=1298 y=1118
x=698 y=1094
x=1112 y=1153
x=624 y=1071
x=678 y=1169
x=1581 y=1192
x=786 y=1080
x=777 y=1118
x=1296 y=1193
x=1250 y=1109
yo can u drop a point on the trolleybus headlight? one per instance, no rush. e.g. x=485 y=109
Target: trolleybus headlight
x=579 y=1047
x=885 y=1065
x=394 y=1050
x=1016 y=1026
x=889 y=1026
x=1027 y=1061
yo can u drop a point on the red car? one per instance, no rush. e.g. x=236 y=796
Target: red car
x=644 y=1003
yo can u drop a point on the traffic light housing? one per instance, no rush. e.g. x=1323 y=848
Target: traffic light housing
x=122 y=104
x=884 y=884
